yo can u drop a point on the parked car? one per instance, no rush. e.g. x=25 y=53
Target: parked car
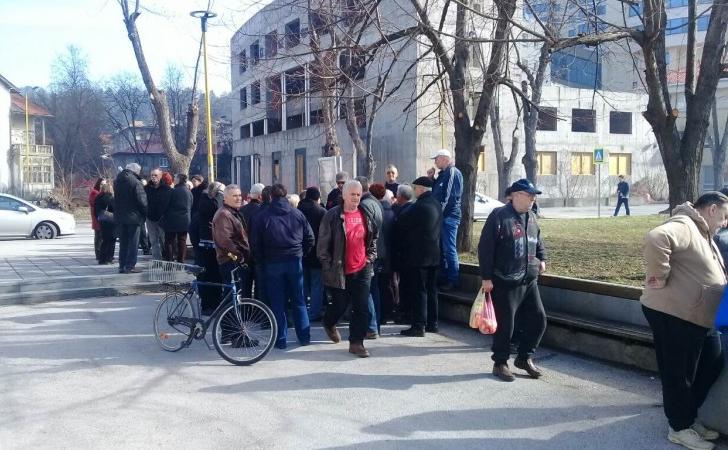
x=483 y=206
x=19 y=218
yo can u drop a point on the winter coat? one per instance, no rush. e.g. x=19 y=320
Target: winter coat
x=685 y=273
x=157 y=200
x=91 y=199
x=205 y=213
x=229 y=236
x=419 y=233
x=197 y=194
x=314 y=212
x=384 y=243
x=130 y=200
x=448 y=190
x=392 y=187
x=248 y=212
x=334 y=198
x=510 y=251
x=280 y=233
x=104 y=202
x=176 y=218
x=331 y=247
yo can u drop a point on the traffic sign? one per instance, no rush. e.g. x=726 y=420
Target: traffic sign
x=598 y=155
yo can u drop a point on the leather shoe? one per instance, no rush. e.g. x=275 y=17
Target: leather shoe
x=413 y=332
x=529 y=367
x=333 y=334
x=372 y=335
x=357 y=348
x=503 y=372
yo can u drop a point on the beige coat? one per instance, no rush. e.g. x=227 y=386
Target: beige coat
x=685 y=272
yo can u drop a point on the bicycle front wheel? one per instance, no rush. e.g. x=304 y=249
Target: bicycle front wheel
x=245 y=332
x=172 y=320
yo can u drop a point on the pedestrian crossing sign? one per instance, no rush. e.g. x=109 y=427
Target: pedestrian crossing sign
x=598 y=155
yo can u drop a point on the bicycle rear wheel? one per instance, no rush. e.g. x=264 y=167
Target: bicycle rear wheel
x=172 y=328
x=245 y=332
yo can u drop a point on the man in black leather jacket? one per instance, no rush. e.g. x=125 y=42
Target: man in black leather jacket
x=511 y=257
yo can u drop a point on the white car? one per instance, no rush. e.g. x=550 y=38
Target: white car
x=19 y=218
x=483 y=206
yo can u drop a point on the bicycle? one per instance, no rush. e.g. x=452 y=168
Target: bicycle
x=243 y=329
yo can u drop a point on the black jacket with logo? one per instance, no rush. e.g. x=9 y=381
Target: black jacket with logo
x=510 y=251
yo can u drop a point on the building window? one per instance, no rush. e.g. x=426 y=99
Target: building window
x=294 y=121
x=676 y=26
x=360 y=111
x=601 y=10
x=243 y=98
x=293 y=33
x=258 y=127
x=163 y=162
x=245 y=131
x=275 y=167
x=481 y=161
x=583 y=120
x=620 y=122
x=255 y=93
x=295 y=81
x=546 y=163
x=703 y=23
x=582 y=163
x=317 y=21
x=635 y=10
x=677 y=3
x=620 y=164
x=271 y=44
x=242 y=61
x=255 y=52
x=300 y=169
x=547 y=119
x=317 y=116
x=352 y=65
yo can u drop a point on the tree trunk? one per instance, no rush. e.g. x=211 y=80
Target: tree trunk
x=719 y=151
x=467 y=162
x=530 y=163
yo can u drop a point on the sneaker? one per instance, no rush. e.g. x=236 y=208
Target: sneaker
x=689 y=438
x=503 y=372
x=705 y=433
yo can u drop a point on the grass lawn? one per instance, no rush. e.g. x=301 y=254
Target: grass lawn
x=608 y=249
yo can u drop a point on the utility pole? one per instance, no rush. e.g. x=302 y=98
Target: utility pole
x=203 y=16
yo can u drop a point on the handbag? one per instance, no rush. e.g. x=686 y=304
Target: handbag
x=105 y=217
x=486 y=322
x=476 y=310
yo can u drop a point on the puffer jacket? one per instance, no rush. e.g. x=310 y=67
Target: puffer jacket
x=331 y=247
x=685 y=273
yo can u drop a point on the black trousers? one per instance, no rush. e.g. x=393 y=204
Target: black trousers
x=690 y=359
x=422 y=287
x=526 y=301
x=108 y=242
x=97 y=244
x=355 y=293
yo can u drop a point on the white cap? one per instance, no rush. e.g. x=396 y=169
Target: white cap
x=441 y=152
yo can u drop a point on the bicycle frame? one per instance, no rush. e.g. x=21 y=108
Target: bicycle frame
x=200 y=326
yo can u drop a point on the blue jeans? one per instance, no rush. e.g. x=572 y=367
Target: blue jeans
x=375 y=301
x=622 y=201
x=449 y=264
x=128 y=246
x=314 y=289
x=284 y=280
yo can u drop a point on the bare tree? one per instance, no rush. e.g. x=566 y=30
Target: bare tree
x=504 y=165
x=719 y=149
x=179 y=158
x=569 y=184
x=127 y=108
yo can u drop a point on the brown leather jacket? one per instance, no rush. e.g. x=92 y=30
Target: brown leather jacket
x=331 y=246
x=229 y=236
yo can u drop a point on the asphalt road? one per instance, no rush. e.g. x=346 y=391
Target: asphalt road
x=88 y=374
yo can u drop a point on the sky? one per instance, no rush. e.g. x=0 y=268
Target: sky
x=34 y=33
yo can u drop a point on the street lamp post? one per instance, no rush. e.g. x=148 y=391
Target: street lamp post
x=203 y=16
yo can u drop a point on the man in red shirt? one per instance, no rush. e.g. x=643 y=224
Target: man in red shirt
x=347 y=247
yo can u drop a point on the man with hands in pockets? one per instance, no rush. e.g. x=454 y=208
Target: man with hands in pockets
x=511 y=257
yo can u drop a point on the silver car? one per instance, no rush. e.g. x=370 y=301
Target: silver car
x=19 y=218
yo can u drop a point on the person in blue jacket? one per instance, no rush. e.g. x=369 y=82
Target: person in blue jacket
x=448 y=190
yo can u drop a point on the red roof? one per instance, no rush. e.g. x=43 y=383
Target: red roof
x=18 y=106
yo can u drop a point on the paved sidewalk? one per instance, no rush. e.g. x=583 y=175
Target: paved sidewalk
x=66 y=256
x=88 y=374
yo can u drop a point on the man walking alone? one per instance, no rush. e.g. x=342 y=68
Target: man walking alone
x=511 y=257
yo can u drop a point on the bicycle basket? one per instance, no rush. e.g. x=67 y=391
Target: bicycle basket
x=171 y=272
